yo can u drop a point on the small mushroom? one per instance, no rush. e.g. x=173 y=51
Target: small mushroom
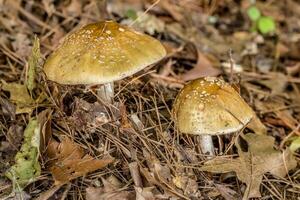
x=101 y=53
x=209 y=106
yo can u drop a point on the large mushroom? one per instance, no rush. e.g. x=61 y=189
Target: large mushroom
x=101 y=53
x=209 y=106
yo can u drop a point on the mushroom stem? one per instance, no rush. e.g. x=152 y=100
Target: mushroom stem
x=206 y=145
x=106 y=92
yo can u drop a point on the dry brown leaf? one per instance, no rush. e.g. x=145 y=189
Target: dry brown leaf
x=202 y=68
x=287 y=118
x=257 y=126
x=45 y=118
x=135 y=174
x=277 y=83
x=14 y=136
x=88 y=114
x=45 y=195
x=19 y=196
x=163 y=173
x=160 y=175
x=226 y=192
x=124 y=117
x=108 y=191
x=67 y=161
x=93 y=193
x=144 y=193
x=188 y=185
x=256 y=157
x=7 y=108
x=152 y=193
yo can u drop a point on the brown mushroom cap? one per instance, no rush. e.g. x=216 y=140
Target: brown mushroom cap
x=101 y=53
x=210 y=106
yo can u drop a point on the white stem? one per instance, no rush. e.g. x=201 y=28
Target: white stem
x=206 y=145
x=106 y=92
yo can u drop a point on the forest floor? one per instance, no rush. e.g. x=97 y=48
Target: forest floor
x=132 y=148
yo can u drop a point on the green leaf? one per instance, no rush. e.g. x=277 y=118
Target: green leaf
x=253 y=13
x=130 y=13
x=26 y=167
x=18 y=93
x=266 y=25
x=20 y=96
x=33 y=63
x=295 y=144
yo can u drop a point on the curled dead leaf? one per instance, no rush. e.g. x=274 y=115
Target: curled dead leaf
x=67 y=161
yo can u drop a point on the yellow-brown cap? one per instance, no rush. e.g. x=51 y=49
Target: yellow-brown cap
x=100 y=53
x=210 y=106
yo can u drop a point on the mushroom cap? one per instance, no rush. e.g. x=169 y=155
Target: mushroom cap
x=100 y=53
x=210 y=106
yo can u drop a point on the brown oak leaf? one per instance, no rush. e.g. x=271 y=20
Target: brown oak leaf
x=67 y=161
x=256 y=157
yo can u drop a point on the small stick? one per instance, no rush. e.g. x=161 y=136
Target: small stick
x=135 y=174
x=144 y=13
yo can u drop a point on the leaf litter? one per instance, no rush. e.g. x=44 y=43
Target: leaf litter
x=256 y=157
x=72 y=119
x=68 y=161
x=27 y=167
x=20 y=96
x=33 y=65
x=108 y=191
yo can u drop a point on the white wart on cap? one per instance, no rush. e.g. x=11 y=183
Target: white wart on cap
x=101 y=53
x=210 y=106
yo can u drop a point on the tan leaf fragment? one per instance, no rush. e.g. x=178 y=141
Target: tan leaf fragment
x=203 y=68
x=277 y=83
x=226 y=192
x=67 y=161
x=256 y=157
x=188 y=185
x=87 y=114
x=161 y=176
x=144 y=193
x=107 y=192
x=152 y=193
